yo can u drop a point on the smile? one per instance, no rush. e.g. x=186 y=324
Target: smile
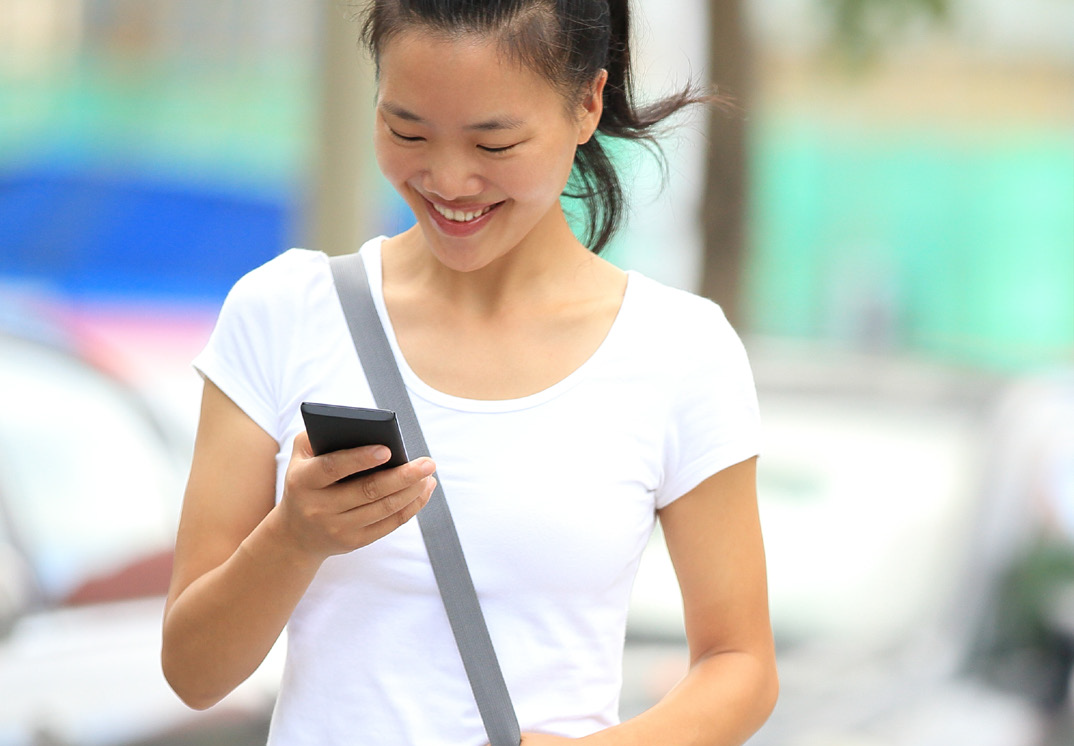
x=459 y=216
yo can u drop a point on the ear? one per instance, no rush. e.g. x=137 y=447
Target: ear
x=592 y=108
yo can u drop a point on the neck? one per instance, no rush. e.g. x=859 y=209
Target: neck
x=545 y=263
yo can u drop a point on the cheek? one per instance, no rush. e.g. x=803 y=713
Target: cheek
x=394 y=162
x=540 y=180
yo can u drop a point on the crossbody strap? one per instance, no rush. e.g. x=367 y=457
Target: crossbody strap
x=437 y=527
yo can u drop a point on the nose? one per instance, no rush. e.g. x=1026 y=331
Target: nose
x=452 y=176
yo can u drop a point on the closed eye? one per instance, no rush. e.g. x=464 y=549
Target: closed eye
x=404 y=138
x=504 y=149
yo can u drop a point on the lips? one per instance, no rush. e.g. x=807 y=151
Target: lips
x=463 y=220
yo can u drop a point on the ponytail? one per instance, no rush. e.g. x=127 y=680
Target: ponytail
x=595 y=177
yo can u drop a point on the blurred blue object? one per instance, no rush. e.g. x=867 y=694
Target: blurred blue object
x=92 y=233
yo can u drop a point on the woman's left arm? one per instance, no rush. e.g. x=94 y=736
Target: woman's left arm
x=713 y=534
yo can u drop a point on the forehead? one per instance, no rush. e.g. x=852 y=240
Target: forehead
x=463 y=78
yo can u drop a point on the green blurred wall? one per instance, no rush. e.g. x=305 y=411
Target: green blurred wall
x=959 y=243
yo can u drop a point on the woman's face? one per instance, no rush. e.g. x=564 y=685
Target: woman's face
x=479 y=147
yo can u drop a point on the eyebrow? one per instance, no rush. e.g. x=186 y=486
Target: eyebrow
x=489 y=125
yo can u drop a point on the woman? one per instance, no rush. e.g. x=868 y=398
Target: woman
x=567 y=404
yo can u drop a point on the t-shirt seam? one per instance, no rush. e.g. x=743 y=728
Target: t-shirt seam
x=230 y=382
x=703 y=467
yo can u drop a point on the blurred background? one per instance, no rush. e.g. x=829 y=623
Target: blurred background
x=887 y=217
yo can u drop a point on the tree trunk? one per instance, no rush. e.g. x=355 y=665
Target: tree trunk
x=724 y=204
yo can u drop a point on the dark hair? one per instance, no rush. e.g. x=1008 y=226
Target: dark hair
x=568 y=42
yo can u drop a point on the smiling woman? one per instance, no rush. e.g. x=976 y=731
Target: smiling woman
x=518 y=347
x=475 y=146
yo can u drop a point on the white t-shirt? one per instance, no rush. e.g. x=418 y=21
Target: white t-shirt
x=553 y=495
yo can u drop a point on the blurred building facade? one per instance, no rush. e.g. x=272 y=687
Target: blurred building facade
x=924 y=198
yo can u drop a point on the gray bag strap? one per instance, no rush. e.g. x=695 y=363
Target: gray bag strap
x=437 y=527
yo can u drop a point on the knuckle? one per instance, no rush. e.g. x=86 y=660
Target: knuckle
x=394 y=504
x=329 y=465
x=309 y=512
x=369 y=489
x=335 y=535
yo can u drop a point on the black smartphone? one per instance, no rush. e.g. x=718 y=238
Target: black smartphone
x=332 y=427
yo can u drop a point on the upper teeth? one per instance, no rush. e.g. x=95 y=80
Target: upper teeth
x=458 y=215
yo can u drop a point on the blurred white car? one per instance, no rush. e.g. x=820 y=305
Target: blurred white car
x=893 y=500
x=89 y=496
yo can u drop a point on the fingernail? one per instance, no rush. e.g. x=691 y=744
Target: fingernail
x=427 y=467
x=381 y=453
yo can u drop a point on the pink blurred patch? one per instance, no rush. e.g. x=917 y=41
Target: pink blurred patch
x=147 y=576
x=140 y=342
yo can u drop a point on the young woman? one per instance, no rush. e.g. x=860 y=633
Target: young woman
x=567 y=404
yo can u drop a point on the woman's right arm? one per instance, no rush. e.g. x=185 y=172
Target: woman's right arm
x=242 y=562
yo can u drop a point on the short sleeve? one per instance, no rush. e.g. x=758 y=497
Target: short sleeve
x=245 y=356
x=714 y=420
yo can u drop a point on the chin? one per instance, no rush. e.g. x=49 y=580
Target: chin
x=462 y=255
x=467 y=253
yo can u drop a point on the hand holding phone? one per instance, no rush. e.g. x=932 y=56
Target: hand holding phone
x=333 y=427
x=325 y=516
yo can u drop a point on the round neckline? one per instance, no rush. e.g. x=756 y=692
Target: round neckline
x=371 y=255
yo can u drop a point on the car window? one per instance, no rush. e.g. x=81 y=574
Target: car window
x=87 y=482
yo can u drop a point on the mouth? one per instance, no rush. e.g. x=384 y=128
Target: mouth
x=461 y=222
x=463 y=216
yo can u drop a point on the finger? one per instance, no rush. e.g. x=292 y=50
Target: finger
x=329 y=468
x=373 y=487
x=400 y=517
x=389 y=505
